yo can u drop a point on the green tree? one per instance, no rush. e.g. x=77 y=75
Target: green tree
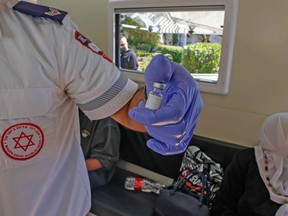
x=137 y=37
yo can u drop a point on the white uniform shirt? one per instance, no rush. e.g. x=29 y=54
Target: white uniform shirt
x=46 y=69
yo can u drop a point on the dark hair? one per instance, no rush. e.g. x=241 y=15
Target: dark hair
x=123 y=36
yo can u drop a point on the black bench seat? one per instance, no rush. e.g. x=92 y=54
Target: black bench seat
x=114 y=200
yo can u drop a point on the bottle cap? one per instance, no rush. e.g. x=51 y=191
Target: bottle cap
x=159 y=85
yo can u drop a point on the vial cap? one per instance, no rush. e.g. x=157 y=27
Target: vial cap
x=159 y=85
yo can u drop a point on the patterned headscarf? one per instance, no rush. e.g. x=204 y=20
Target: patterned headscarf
x=272 y=159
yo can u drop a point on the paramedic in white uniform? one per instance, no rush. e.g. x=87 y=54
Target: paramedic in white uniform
x=45 y=70
x=48 y=69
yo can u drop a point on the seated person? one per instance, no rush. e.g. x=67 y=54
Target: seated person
x=100 y=141
x=128 y=57
x=256 y=181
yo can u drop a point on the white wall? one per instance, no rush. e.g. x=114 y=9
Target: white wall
x=259 y=74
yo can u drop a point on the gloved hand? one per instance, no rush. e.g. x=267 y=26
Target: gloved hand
x=173 y=124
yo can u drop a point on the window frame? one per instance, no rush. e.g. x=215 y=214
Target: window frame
x=230 y=19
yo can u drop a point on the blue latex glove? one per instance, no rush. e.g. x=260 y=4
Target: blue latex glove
x=173 y=124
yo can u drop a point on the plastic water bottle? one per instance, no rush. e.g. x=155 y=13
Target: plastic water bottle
x=142 y=184
x=155 y=96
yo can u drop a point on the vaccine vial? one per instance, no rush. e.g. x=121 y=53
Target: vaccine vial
x=155 y=97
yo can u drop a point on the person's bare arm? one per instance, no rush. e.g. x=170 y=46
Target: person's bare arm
x=122 y=116
x=93 y=164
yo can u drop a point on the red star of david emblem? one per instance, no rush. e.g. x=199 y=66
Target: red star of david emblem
x=23 y=141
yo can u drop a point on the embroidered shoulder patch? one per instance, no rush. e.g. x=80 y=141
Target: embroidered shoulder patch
x=36 y=10
x=90 y=45
x=22 y=141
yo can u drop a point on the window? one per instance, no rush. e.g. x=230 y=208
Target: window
x=195 y=33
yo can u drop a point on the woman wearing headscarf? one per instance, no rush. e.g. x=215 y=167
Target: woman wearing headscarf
x=256 y=181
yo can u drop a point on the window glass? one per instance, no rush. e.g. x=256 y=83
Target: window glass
x=192 y=35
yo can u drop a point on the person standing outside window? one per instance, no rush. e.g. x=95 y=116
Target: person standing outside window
x=128 y=57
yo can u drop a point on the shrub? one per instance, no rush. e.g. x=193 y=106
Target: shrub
x=144 y=62
x=145 y=48
x=140 y=53
x=175 y=51
x=202 y=57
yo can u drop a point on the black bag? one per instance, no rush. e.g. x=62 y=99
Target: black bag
x=172 y=201
x=196 y=160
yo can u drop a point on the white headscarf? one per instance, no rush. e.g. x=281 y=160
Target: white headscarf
x=273 y=144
